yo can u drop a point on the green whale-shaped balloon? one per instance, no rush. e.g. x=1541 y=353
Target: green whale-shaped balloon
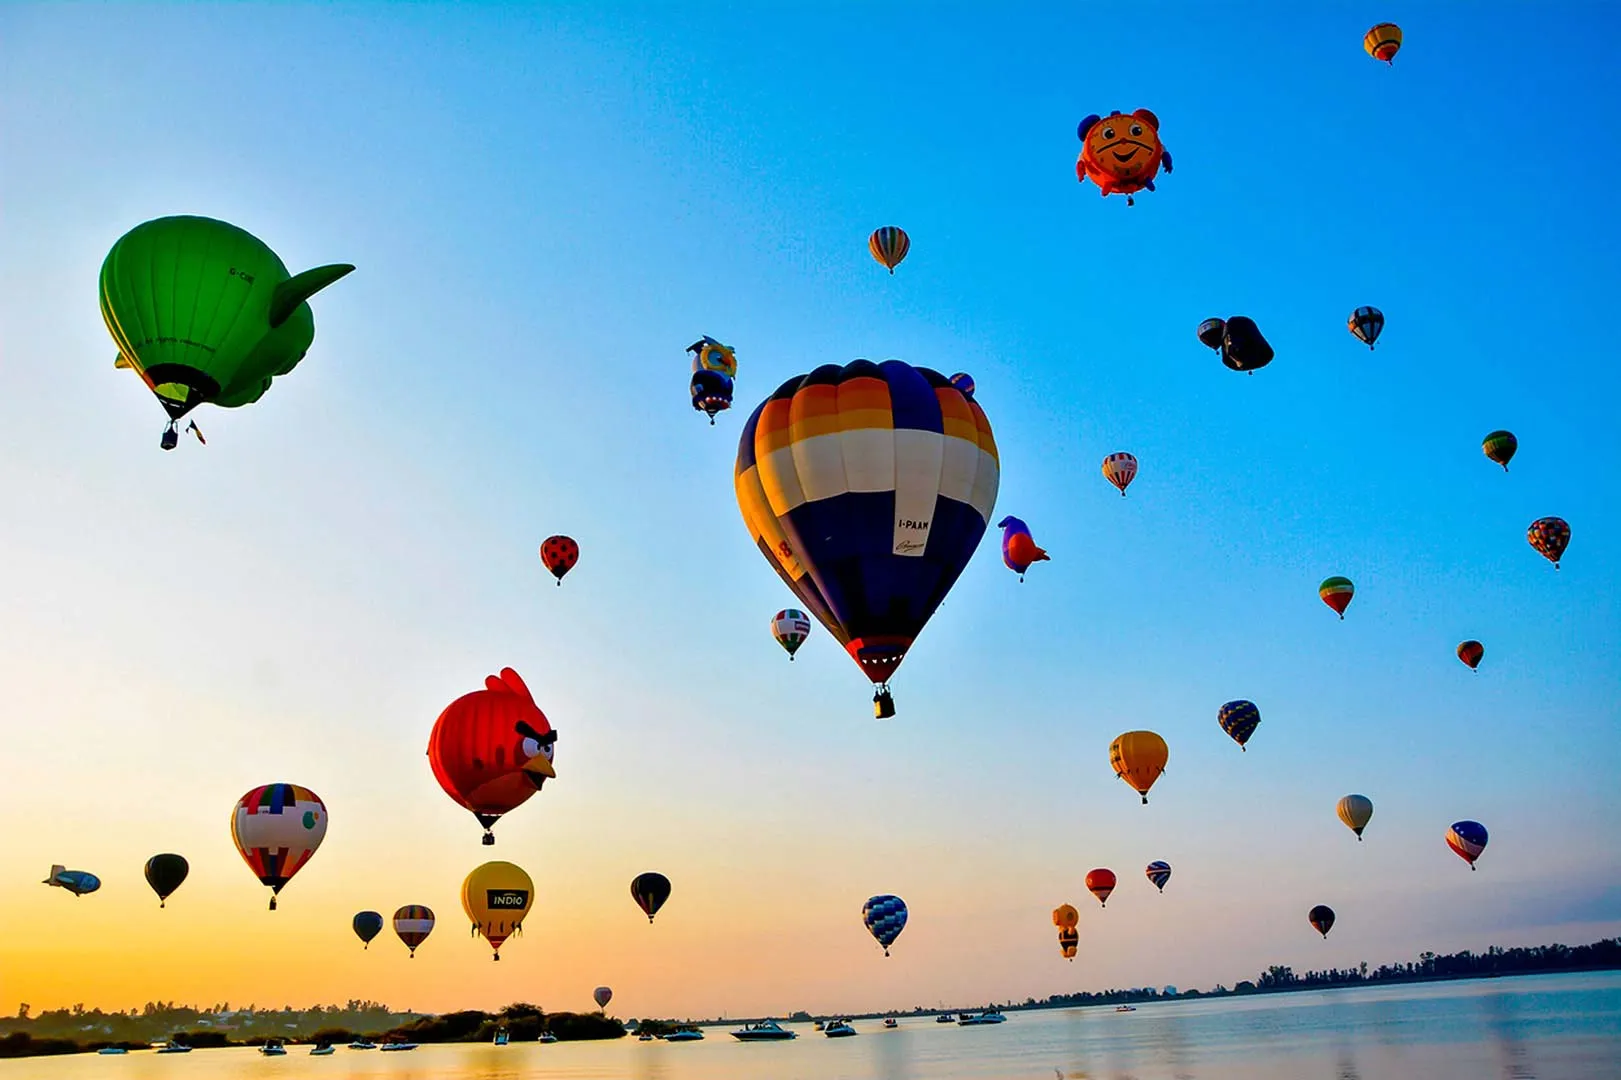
x=205 y=312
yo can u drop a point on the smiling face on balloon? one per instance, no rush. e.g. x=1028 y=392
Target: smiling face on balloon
x=1125 y=147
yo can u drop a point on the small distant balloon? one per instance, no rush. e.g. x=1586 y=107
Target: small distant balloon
x=77 y=882
x=602 y=995
x=1138 y=758
x=1159 y=872
x=1467 y=839
x=1321 y=918
x=1382 y=42
x=1550 y=536
x=885 y=918
x=650 y=891
x=1066 y=918
x=1100 y=883
x=1120 y=469
x=714 y=375
x=165 y=873
x=1366 y=323
x=1471 y=652
x=1239 y=719
x=1019 y=548
x=1356 y=811
x=412 y=925
x=1336 y=593
x=889 y=245
x=790 y=627
x=1500 y=447
x=964 y=383
x=1239 y=341
x=559 y=554
x=367 y=925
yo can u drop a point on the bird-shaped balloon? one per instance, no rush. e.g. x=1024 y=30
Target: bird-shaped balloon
x=492 y=749
x=1019 y=548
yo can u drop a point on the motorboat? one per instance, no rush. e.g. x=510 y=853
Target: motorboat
x=989 y=1016
x=945 y=1018
x=1125 y=1008
x=764 y=1031
x=684 y=1035
x=174 y=1048
x=502 y=1037
x=274 y=1048
x=398 y=1046
x=362 y=1044
x=839 y=1029
x=112 y=1050
x=323 y=1050
x=821 y=1025
x=547 y=1037
x=891 y=1023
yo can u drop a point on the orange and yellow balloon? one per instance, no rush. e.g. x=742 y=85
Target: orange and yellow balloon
x=1138 y=758
x=1383 y=41
x=889 y=245
x=496 y=897
x=1066 y=918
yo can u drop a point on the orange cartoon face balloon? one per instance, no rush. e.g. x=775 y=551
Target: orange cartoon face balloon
x=1121 y=153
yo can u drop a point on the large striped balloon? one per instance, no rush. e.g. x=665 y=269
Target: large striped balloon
x=867 y=488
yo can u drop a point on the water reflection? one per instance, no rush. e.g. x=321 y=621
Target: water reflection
x=1345 y=1066
x=1502 y=1020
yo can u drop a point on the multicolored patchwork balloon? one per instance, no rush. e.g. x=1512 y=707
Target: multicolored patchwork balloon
x=885 y=917
x=1120 y=469
x=1467 y=839
x=1550 y=536
x=1336 y=593
x=1239 y=719
x=1159 y=872
x=790 y=627
x=277 y=828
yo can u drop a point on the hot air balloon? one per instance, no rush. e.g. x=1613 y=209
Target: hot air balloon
x=1500 y=447
x=1120 y=469
x=1468 y=840
x=559 y=554
x=166 y=873
x=1066 y=918
x=205 y=312
x=1239 y=341
x=714 y=369
x=867 y=489
x=1365 y=324
x=1138 y=758
x=1019 y=548
x=1336 y=593
x=1471 y=652
x=1550 y=536
x=964 y=383
x=77 y=882
x=1100 y=883
x=1356 y=811
x=1382 y=41
x=650 y=891
x=492 y=749
x=885 y=917
x=1159 y=872
x=367 y=925
x=790 y=627
x=1239 y=719
x=1321 y=918
x=602 y=995
x=889 y=245
x=1121 y=154
x=414 y=922
x=277 y=828
x=496 y=897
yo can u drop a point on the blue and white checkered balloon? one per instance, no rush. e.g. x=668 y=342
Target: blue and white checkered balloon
x=885 y=917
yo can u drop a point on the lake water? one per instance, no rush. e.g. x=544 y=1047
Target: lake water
x=1541 y=1028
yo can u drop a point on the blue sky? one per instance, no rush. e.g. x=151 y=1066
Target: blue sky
x=547 y=205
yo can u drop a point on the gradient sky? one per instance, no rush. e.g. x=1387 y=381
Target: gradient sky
x=546 y=206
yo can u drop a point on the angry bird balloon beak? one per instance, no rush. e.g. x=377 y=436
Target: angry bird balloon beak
x=539 y=769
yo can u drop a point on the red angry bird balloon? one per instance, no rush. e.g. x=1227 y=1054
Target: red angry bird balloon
x=492 y=749
x=1121 y=154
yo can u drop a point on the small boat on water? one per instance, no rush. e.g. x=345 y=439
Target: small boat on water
x=174 y=1048
x=839 y=1029
x=502 y=1037
x=274 y=1048
x=684 y=1035
x=362 y=1044
x=547 y=1037
x=112 y=1050
x=398 y=1046
x=989 y=1016
x=1125 y=1008
x=945 y=1018
x=764 y=1031
x=323 y=1050
x=891 y=1023
x=645 y=1037
x=821 y=1026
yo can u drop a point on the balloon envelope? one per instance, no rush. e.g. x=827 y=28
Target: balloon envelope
x=1471 y=652
x=1138 y=758
x=165 y=873
x=496 y=896
x=1100 y=883
x=1467 y=839
x=277 y=829
x=559 y=554
x=367 y=925
x=412 y=925
x=1321 y=918
x=889 y=245
x=492 y=749
x=885 y=918
x=1120 y=469
x=1365 y=324
x=1550 y=536
x=1065 y=915
x=1239 y=719
x=1159 y=872
x=602 y=995
x=790 y=627
x=1500 y=446
x=1336 y=592
x=650 y=891
x=1356 y=811
x=1382 y=42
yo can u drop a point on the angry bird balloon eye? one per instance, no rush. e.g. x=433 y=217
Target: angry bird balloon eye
x=1121 y=155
